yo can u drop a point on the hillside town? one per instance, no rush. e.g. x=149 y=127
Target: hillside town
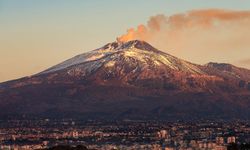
x=126 y=134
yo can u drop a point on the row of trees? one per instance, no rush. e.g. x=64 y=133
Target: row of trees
x=244 y=84
x=67 y=147
x=234 y=146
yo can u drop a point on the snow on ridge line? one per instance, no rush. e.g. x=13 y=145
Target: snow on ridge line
x=99 y=53
x=129 y=49
x=85 y=57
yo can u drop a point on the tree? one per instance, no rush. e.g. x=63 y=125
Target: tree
x=248 y=86
x=67 y=147
x=242 y=83
x=232 y=146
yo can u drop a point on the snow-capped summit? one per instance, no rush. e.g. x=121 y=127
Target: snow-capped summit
x=142 y=53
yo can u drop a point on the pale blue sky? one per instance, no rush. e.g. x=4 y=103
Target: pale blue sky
x=35 y=34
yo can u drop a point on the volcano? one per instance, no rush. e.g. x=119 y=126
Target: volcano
x=130 y=80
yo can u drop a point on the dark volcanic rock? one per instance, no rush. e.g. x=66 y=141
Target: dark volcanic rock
x=129 y=80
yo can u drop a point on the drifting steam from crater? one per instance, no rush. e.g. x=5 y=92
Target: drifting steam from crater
x=209 y=32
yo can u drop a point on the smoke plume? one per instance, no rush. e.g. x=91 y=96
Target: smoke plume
x=198 y=35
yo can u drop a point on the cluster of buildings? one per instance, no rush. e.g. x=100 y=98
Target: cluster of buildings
x=107 y=135
x=210 y=141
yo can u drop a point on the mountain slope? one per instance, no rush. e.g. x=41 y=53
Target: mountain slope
x=129 y=80
x=136 y=50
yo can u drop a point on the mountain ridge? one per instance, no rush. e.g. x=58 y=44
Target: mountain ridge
x=130 y=80
x=112 y=48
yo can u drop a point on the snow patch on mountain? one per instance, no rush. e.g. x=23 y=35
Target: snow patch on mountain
x=82 y=58
x=110 y=64
x=95 y=57
x=140 y=51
